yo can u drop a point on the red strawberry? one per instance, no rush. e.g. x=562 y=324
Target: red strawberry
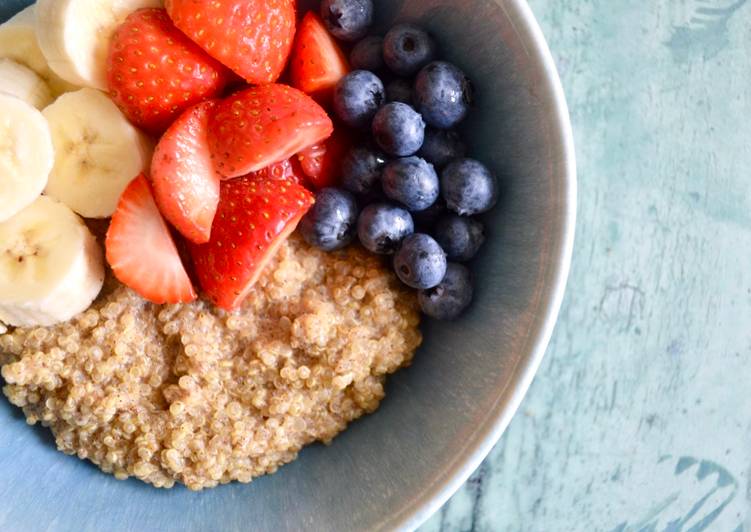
x=154 y=72
x=317 y=63
x=263 y=125
x=141 y=251
x=289 y=170
x=255 y=217
x=252 y=37
x=186 y=186
x=322 y=162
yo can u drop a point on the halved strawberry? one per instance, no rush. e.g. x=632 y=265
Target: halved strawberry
x=317 y=62
x=140 y=249
x=263 y=125
x=290 y=169
x=186 y=185
x=322 y=163
x=255 y=216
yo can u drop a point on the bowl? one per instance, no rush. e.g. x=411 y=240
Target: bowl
x=440 y=418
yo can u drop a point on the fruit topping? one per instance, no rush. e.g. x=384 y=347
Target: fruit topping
x=332 y=222
x=398 y=129
x=357 y=97
x=382 y=227
x=407 y=48
x=450 y=298
x=420 y=262
x=348 y=20
x=412 y=182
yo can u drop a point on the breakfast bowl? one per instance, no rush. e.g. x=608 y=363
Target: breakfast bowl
x=390 y=470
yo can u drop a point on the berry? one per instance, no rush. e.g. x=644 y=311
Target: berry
x=252 y=38
x=449 y=299
x=263 y=125
x=322 y=162
x=425 y=220
x=399 y=90
x=460 y=237
x=420 y=262
x=317 y=63
x=361 y=170
x=398 y=129
x=407 y=48
x=382 y=227
x=154 y=72
x=140 y=249
x=468 y=187
x=442 y=146
x=348 y=20
x=289 y=170
x=357 y=97
x=367 y=54
x=412 y=182
x=332 y=222
x=255 y=216
x=443 y=94
x=186 y=186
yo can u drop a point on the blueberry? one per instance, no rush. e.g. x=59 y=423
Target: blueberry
x=398 y=129
x=348 y=20
x=450 y=298
x=357 y=97
x=412 y=182
x=361 y=170
x=460 y=237
x=420 y=262
x=443 y=94
x=367 y=54
x=425 y=220
x=468 y=187
x=441 y=146
x=407 y=48
x=399 y=90
x=383 y=226
x=332 y=222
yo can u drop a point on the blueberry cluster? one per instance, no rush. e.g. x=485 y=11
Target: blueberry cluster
x=410 y=190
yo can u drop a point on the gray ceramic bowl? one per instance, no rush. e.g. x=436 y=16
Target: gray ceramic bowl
x=393 y=469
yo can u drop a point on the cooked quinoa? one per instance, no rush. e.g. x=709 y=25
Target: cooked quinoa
x=192 y=394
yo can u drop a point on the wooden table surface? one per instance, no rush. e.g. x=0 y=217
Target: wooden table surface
x=640 y=417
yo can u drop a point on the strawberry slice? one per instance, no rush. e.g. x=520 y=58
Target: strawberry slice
x=186 y=186
x=317 y=62
x=253 y=38
x=255 y=216
x=155 y=72
x=263 y=125
x=291 y=170
x=322 y=162
x=140 y=249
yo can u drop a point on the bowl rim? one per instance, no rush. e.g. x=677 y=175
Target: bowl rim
x=499 y=416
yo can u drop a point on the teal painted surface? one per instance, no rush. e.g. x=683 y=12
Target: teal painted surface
x=640 y=418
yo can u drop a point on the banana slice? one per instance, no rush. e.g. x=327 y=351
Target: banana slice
x=26 y=155
x=74 y=35
x=51 y=267
x=18 y=42
x=97 y=152
x=23 y=83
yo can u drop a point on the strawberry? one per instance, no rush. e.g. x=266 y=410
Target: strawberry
x=186 y=186
x=290 y=169
x=154 y=72
x=322 y=162
x=317 y=62
x=263 y=125
x=141 y=251
x=252 y=37
x=255 y=216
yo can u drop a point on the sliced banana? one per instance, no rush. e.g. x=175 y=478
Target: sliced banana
x=26 y=155
x=75 y=35
x=18 y=42
x=51 y=266
x=97 y=152
x=23 y=83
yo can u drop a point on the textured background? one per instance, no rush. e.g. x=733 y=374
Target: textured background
x=640 y=418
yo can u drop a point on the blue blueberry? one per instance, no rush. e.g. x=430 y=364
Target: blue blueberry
x=361 y=170
x=425 y=220
x=399 y=90
x=407 y=48
x=412 y=182
x=443 y=94
x=441 y=146
x=367 y=54
x=420 y=262
x=357 y=97
x=460 y=237
x=468 y=187
x=383 y=226
x=449 y=299
x=331 y=223
x=348 y=20
x=398 y=129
